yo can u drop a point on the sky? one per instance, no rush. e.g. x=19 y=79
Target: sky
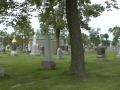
x=108 y=19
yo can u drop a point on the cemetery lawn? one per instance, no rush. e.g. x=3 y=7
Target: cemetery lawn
x=23 y=72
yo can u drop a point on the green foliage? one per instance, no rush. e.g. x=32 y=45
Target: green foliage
x=116 y=33
x=22 y=29
x=94 y=36
x=87 y=11
x=85 y=39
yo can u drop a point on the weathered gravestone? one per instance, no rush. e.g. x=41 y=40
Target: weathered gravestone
x=59 y=53
x=1 y=71
x=47 y=62
x=29 y=48
x=42 y=49
x=66 y=49
x=101 y=52
x=14 y=46
x=91 y=47
x=35 y=51
x=3 y=50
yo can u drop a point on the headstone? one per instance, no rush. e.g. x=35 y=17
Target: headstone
x=47 y=62
x=8 y=47
x=35 y=51
x=42 y=49
x=101 y=52
x=29 y=48
x=14 y=47
x=63 y=48
x=1 y=71
x=111 y=47
x=95 y=49
x=118 y=55
x=3 y=50
x=66 y=49
x=91 y=47
x=59 y=53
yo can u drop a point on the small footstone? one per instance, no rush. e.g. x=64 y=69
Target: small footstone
x=1 y=71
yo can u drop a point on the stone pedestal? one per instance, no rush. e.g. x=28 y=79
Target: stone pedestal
x=1 y=71
x=14 y=53
x=101 y=53
x=47 y=64
x=14 y=46
x=35 y=51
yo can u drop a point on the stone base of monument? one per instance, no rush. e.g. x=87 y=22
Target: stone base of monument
x=35 y=53
x=101 y=57
x=13 y=53
x=1 y=71
x=118 y=56
x=47 y=64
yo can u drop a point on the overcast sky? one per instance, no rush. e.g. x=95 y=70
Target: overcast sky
x=105 y=21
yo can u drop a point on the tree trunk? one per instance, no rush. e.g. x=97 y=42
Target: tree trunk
x=57 y=39
x=77 y=54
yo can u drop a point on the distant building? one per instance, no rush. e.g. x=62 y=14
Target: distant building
x=40 y=41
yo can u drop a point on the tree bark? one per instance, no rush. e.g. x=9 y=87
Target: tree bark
x=77 y=54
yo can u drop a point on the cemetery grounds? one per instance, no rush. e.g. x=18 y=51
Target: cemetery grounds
x=23 y=72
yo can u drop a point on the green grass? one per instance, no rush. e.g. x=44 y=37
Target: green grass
x=24 y=73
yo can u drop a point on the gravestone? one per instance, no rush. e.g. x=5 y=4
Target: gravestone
x=1 y=72
x=35 y=51
x=29 y=48
x=47 y=62
x=95 y=49
x=118 y=55
x=111 y=47
x=63 y=48
x=59 y=53
x=3 y=50
x=42 y=49
x=66 y=49
x=91 y=47
x=101 y=52
x=8 y=47
x=14 y=47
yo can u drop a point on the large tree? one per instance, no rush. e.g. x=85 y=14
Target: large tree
x=116 y=33
x=77 y=54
